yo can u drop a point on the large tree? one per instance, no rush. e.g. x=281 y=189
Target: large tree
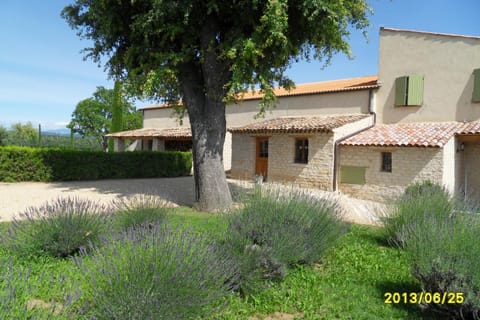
x=204 y=53
x=93 y=116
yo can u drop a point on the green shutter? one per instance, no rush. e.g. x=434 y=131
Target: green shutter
x=415 y=90
x=401 y=91
x=352 y=175
x=476 y=85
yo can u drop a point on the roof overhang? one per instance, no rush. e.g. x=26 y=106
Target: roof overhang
x=300 y=125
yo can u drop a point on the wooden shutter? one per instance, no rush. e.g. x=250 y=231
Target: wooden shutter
x=352 y=175
x=476 y=85
x=401 y=91
x=415 y=90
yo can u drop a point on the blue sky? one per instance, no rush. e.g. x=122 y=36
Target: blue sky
x=43 y=74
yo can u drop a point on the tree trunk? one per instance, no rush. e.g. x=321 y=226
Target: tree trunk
x=203 y=88
x=208 y=131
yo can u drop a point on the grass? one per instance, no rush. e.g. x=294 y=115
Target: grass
x=349 y=283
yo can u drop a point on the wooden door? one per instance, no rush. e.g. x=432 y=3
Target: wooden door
x=261 y=159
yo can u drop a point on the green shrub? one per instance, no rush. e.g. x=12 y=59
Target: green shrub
x=50 y=164
x=156 y=273
x=17 y=294
x=139 y=210
x=58 y=228
x=419 y=201
x=277 y=228
x=445 y=260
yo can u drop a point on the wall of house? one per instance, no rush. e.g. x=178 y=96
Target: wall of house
x=450 y=165
x=243 y=156
x=317 y=173
x=244 y=112
x=447 y=63
x=409 y=164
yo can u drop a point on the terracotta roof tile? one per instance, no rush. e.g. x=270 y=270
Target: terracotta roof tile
x=153 y=133
x=420 y=134
x=470 y=128
x=299 y=124
x=351 y=84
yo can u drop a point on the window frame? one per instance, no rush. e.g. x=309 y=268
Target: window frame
x=386 y=167
x=301 y=156
x=476 y=86
x=409 y=90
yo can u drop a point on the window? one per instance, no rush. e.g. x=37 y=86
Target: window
x=386 y=161
x=301 y=151
x=352 y=175
x=409 y=90
x=476 y=86
x=263 y=152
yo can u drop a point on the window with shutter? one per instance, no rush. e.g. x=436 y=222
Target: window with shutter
x=476 y=86
x=409 y=90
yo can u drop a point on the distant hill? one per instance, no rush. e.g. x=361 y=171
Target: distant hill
x=57 y=132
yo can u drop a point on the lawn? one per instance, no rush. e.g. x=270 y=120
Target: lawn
x=349 y=282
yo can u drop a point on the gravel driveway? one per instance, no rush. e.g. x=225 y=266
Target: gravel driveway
x=16 y=197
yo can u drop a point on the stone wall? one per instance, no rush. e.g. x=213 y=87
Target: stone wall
x=243 y=156
x=409 y=164
x=317 y=173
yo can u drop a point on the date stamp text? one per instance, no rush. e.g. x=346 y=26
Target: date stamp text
x=424 y=297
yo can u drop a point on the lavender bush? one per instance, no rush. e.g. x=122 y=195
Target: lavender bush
x=276 y=228
x=131 y=212
x=152 y=272
x=58 y=228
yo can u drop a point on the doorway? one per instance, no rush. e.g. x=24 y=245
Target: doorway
x=261 y=159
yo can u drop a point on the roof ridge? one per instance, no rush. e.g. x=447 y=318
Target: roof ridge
x=430 y=33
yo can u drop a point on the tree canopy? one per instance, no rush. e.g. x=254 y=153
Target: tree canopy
x=92 y=117
x=207 y=52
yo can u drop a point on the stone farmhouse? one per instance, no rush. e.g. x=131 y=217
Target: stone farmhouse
x=369 y=137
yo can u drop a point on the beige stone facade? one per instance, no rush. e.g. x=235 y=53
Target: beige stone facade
x=432 y=149
x=409 y=164
x=447 y=63
x=318 y=172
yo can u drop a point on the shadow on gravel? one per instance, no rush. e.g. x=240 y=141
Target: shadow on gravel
x=179 y=190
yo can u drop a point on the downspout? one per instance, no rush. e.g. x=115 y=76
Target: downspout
x=371 y=111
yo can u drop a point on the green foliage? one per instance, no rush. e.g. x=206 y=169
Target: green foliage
x=22 y=135
x=349 y=283
x=278 y=228
x=117 y=112
x=42 y=164
x=413 y=210
x=441 y=235
x=59 y=228
x=132 y=212
x=3 y=136
x=156 y=273
x=445 y=260
x=92 y=117
x=156 y=42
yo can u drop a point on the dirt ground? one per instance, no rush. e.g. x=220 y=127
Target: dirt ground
x=16 y=197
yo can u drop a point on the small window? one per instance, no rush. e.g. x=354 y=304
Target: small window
x=409 y=90
x=386 y=161
x=301 y=151
x=263 y=152
x=476 y=86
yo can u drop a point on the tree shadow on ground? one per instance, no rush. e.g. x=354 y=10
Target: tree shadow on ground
x=180 y=190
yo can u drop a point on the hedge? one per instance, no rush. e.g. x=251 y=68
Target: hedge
x=54 y=164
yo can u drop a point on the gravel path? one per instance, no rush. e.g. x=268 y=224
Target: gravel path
x=16 y=197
